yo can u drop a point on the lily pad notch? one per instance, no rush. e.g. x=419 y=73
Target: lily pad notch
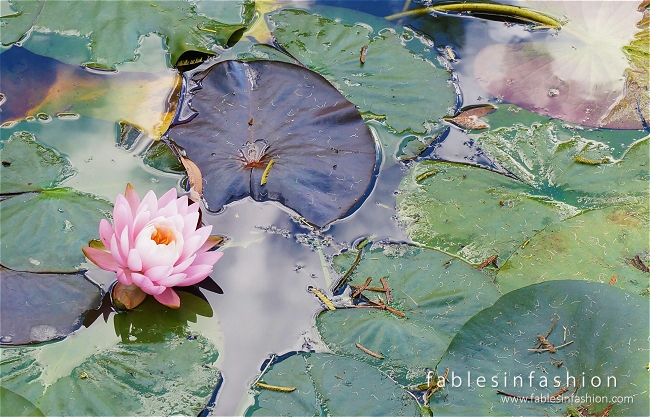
x=274 y=131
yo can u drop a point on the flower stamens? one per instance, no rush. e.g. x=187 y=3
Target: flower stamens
x=162 y=236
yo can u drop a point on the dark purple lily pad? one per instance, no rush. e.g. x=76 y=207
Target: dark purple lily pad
x=239 y=120
x=37 y=307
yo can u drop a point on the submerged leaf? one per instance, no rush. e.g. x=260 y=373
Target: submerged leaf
x=578 y=76
x=38 y=308
x=608 y=331
x=29 y=166
x=44 y=232
x=37 y=85
x=115 y=28
x=237 y=117
x=393 y=81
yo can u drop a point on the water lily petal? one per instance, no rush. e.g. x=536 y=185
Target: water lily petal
x=169 y=298
x=140 y=221
x=101 y=258
x=124 y=276
x=168 y=197
x=158 y=272
x=132 y=197
x=182 y=266
x=142 y=281
x=172 y=280
x=168 y=210
x=195 y=273
x=207 y=258
x=106 y=232
x=115 y=251
x=191 y=219
x=134 y=262
x=149 y=203
x=195 y=242
x=122 y=215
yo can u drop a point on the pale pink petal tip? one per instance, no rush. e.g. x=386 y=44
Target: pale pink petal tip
x=101 y=258
x=169 y=298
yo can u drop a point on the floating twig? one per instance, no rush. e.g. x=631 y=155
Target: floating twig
x=605 y=412
x=548 y=350
x=362 y=57
x=638 y=264
x=382 y=306
x=492 y=260
x=360 y=289
x=323 y=298
x=356 y=262
x=276 y=388
x=554 y=320
x=426 y=175
x=486 y=8
x=389 y=298
x=613 y=279
x=548 y=345
x=369 y=352
x=559 y=393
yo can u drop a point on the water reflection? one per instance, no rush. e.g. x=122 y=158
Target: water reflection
x=266 y=308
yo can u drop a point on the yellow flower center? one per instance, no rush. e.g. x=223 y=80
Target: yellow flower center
x=163 y=236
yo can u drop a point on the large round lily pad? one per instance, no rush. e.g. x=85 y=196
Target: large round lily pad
x=437 y=295
x=275 y=131
x=607 y=329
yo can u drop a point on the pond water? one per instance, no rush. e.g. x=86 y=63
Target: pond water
x=271 y=259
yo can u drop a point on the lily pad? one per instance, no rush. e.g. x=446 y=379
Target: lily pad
x=569 y=163
x=472 y=213
x=598 y=245
x=152 y=372
x=275 y=131
x=607 y=329
x=44 y=232
x=341 y=386
x=27 y=165
x=41 y=307
x=392 y=82
x=12 y=404
x=578 y=76
x=115 y=28
x=437 y=295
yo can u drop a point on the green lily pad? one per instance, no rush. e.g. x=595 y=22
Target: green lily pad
x=153 y=372
x=21 y=20
x=114 y=28
x=27 y=165
x=44 y=232
x=42 y=307
x=437 y=295
x=393 y=82
x=12 y=404
x=566 y=162
x=332 y=385
x=472 y=213
x=608 y=331
x=597 y=246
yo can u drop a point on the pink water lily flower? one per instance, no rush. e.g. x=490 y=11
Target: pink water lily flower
x=155 y=245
